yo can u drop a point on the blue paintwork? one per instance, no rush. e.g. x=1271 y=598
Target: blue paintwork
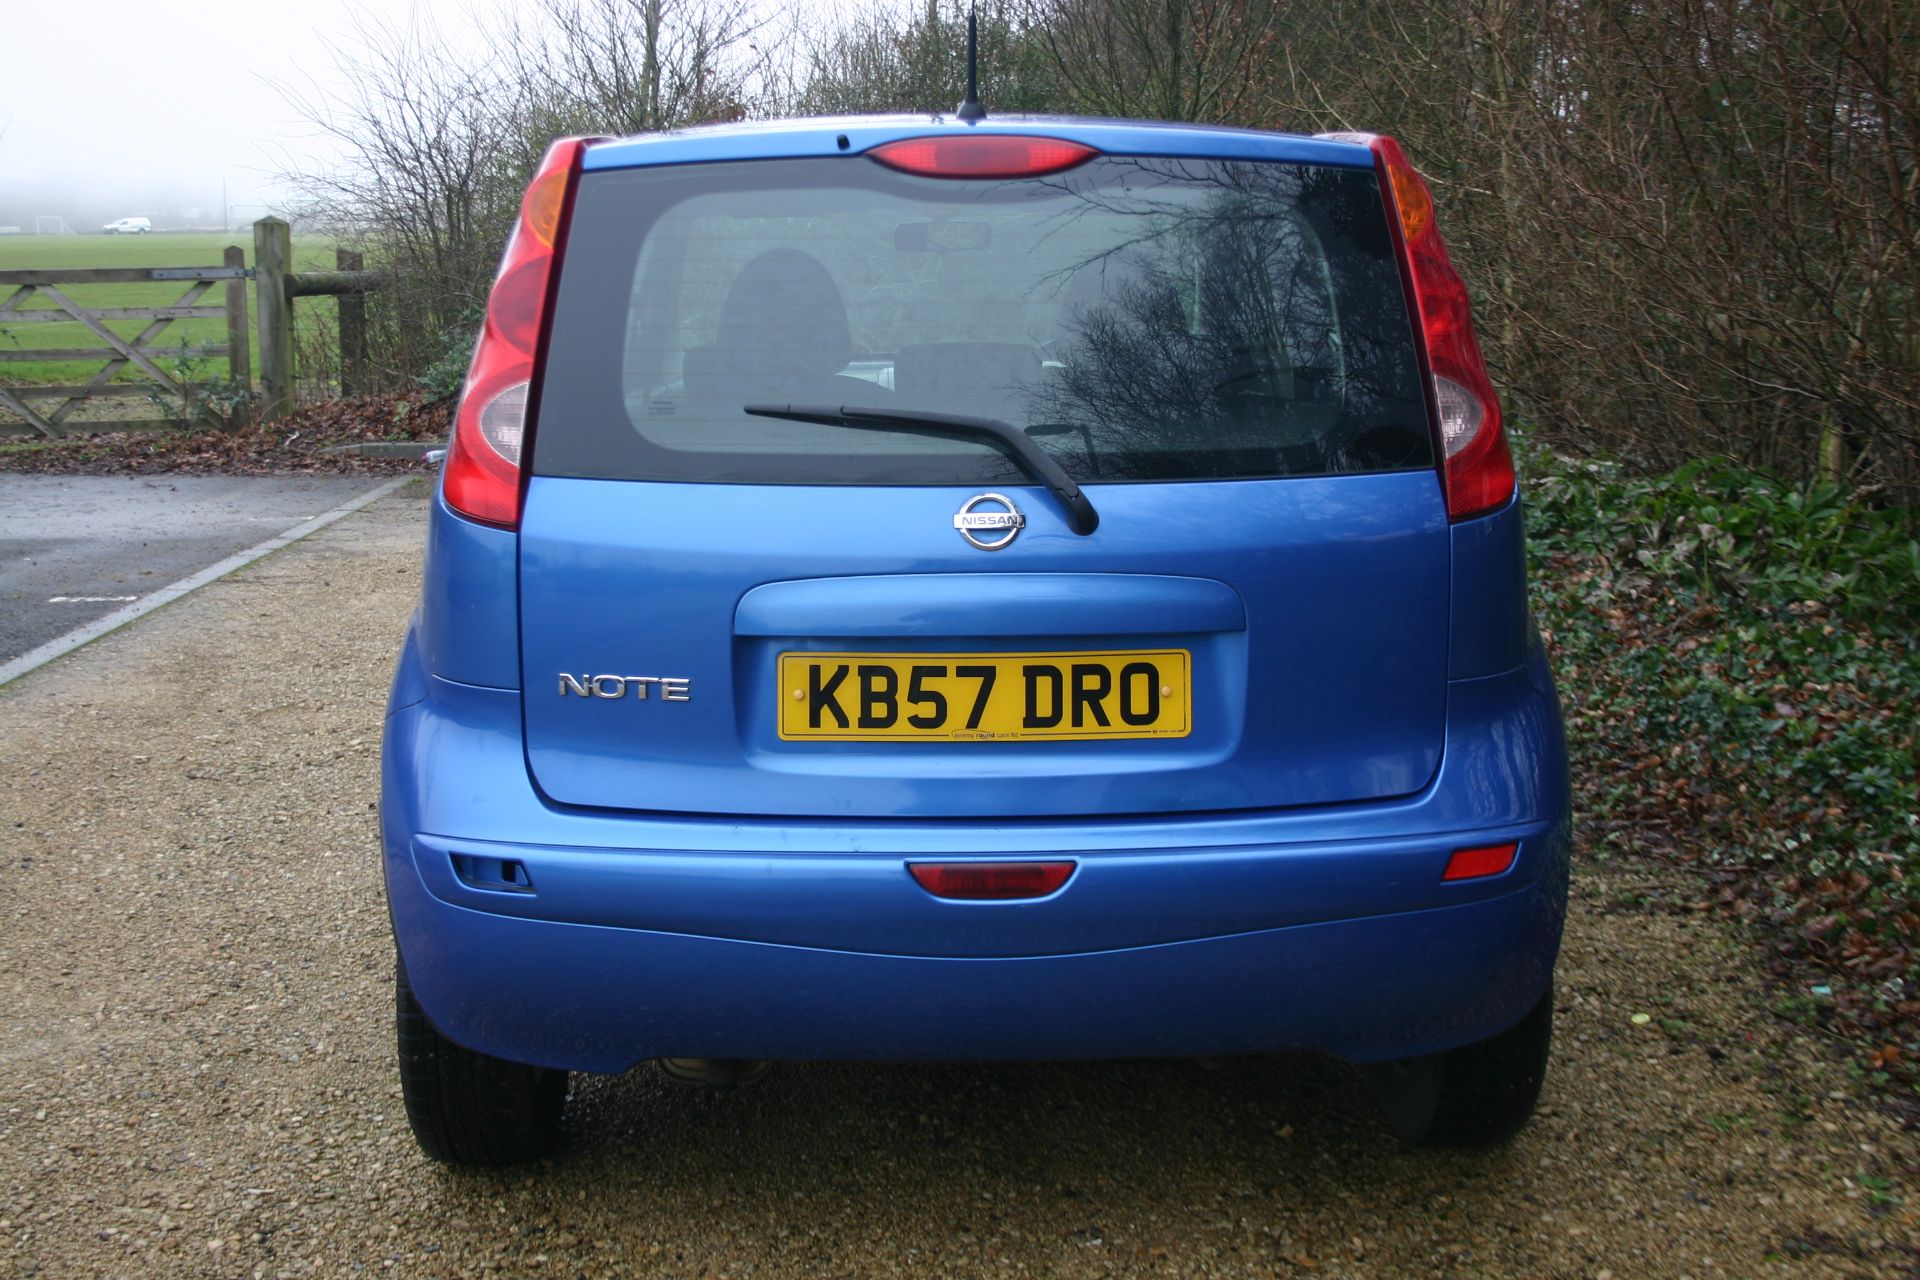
x=868 y=903
x=989 y=604
x=1331 y=687
x=651 y=936
x=587 y=998
x=455 y=763
x=1491 y=626
x=469 y=621
x=586 y=890
x=821 y=137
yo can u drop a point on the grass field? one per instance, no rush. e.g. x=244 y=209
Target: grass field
x=310 y=253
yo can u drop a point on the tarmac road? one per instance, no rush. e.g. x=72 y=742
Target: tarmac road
x=73 y=548
x=197 y=1073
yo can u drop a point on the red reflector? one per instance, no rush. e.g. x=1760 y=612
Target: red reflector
x=982 y=155
x=1483 y=860
x=990 y=879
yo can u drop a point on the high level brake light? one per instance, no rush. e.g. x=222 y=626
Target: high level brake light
x=1478 y=468
x=982 y=155
x=483 y=463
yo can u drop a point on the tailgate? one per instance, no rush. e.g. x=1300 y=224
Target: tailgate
x=800 y=650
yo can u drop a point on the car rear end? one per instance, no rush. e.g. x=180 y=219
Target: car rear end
x=839 y=734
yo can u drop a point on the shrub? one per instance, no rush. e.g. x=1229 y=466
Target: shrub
x=1739 y=664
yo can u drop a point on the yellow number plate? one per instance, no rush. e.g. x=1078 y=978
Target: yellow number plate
x=985 y=697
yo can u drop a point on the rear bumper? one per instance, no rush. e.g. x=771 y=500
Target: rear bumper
x=595 y=998
x=622 y=937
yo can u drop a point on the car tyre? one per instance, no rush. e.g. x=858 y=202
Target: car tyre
x=470 y=1108
x=1479 y=1095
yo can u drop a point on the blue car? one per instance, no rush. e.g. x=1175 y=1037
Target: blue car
x=944 y=589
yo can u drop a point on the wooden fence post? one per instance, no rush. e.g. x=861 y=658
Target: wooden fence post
x=272 y=255
x=353 y=328
x=239 y=363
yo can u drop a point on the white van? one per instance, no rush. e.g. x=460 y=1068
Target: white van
x=128 y=227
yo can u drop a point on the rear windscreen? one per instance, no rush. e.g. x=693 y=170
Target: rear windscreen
x=1141 y=319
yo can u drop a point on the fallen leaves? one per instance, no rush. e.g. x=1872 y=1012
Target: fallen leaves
x=297 y=444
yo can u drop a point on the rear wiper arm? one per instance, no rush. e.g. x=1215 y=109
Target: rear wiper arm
x=1008 y=439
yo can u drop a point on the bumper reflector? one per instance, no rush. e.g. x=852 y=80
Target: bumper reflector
x=976 y=880
x=1480 y=861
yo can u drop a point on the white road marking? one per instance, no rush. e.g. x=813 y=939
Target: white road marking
x=120 y=617
x=89 y=599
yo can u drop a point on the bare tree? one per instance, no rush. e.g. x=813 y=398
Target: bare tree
x=1160 y=59
x=1690 y=226
x=637 y=66
x=885 y=59
x=438 y=142
x=433 y=159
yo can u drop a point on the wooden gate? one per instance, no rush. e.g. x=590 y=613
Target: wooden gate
x=183 y=401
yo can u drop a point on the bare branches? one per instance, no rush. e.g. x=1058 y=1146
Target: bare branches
x=438 y=137
x=1691 y=226
x=1160 y=59
x=638 y=66
x=880 y=59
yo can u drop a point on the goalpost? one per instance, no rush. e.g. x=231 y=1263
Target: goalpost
x=51 y=224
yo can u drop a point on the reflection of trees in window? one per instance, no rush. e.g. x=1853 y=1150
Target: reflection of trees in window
x=1238 y=329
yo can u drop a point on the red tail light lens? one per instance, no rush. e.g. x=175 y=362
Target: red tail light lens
x=1477 y=466
x=982 y=155
x=1480 y=861
x=482 y=479
x=1000 y=880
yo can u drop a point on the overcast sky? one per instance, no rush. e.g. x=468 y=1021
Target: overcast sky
x=112 y=108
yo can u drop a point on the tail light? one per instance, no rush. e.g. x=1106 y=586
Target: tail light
x=982 y=155
x=1477 y=468
x=482 y=477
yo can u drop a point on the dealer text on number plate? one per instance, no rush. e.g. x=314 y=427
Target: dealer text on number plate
x=985 y=697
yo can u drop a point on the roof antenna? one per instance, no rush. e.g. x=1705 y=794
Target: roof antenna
x=970 y=108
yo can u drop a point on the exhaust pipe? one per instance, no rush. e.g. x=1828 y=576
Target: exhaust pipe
x=717 y=1074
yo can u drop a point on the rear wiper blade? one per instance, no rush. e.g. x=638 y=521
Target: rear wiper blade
x=1008 y=439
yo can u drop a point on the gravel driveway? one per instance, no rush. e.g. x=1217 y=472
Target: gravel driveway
x=194 y=1026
